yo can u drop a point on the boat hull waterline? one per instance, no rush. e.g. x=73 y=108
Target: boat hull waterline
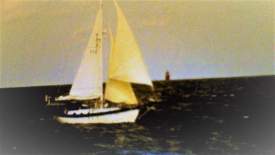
x=108 y=116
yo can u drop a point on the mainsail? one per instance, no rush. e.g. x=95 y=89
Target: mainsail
x=126 y=65
x=89 y=78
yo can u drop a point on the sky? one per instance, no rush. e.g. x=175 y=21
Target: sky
x=42 y=41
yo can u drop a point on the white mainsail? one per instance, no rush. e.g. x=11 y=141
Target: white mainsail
x=89 y=78
x=126 y=65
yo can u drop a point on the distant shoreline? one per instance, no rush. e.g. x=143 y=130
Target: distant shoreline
x=157 y=81
x=213 y=78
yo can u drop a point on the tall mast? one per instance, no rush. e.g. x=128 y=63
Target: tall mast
x=102 y=96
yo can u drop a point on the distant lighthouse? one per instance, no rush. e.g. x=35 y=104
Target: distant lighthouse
x=167 y=75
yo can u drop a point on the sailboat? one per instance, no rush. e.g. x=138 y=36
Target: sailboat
x=117 y=101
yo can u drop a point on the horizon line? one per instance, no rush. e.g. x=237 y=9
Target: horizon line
x=183 y=79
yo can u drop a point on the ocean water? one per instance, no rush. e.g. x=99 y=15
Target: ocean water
x=196 y=117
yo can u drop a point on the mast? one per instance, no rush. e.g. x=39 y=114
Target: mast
x=101 y=99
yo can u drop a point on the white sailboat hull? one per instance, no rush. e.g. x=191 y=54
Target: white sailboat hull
x=128 y=116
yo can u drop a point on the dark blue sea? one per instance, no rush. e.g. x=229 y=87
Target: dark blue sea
x=231 y=116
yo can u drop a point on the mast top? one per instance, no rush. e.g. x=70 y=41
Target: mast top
x=101 y=4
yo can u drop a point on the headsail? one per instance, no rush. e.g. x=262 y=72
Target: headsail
x=89 y=78
x=118 y=91
x=127 y=64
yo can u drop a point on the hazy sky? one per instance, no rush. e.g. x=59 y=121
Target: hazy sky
x=42 y=41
